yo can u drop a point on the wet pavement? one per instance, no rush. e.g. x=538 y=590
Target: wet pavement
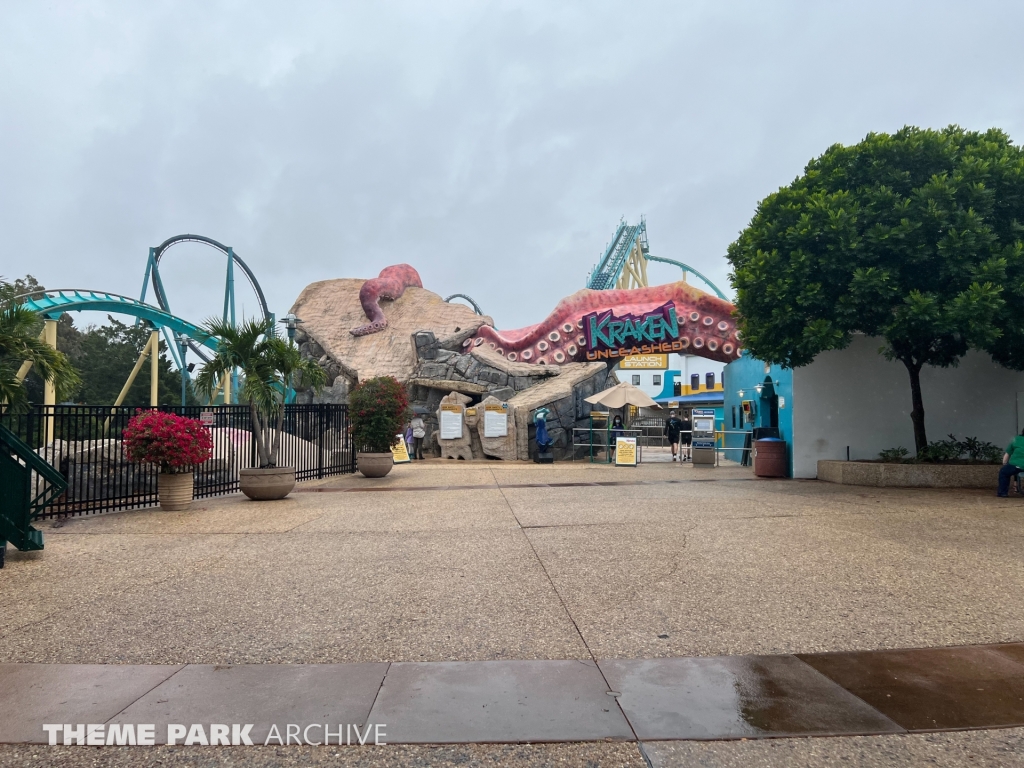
x=699 y=698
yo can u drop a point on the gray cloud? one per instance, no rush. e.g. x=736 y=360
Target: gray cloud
x=494 y=146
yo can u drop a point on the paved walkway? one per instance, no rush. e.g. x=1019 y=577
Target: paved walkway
x=730 y=697
x=618 y=575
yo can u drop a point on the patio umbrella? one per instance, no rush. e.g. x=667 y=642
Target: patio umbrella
x=622 y=395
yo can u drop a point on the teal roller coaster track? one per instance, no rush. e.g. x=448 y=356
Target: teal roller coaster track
x=179 y=335
x=630 y=243
x=53 y=303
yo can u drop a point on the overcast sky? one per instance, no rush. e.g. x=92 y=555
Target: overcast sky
x=493 y=146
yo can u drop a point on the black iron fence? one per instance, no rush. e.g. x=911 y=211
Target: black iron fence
x=84 y=443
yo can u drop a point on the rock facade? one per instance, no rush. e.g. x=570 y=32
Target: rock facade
x=483 y=374
x=330 y=308
x=424 y=345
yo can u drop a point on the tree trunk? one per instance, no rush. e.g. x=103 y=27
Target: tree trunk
x=277 y=436
x=917 y=412
x=259 y=432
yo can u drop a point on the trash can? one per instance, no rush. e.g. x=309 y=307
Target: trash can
x=770 y=458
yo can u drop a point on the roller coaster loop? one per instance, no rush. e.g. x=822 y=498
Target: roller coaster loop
x=153 y=275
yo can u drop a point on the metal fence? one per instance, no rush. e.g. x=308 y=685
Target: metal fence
x=84 y=444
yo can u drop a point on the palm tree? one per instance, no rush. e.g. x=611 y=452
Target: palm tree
x=20 y=344
x=269 y=366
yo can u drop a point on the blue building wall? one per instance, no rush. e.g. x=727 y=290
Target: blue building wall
x=743 y=375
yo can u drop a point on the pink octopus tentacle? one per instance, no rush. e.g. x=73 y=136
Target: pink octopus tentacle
x=390 y=284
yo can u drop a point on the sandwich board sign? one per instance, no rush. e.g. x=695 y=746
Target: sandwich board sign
x=625 y=452
x=400 y=451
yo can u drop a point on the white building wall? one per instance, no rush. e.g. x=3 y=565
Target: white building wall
x=855 y=397
x=687 y=364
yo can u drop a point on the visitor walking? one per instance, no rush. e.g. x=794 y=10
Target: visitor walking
x=673 y=428
x=685 y=437
x=1013 y=464
x=418 y=433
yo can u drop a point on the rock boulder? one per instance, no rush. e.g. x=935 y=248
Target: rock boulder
x=330 y=308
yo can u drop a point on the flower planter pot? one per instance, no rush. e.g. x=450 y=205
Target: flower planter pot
x=375 y=464
x=267 y=484
x=175 y=491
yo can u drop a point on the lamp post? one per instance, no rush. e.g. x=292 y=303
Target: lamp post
x=291 y=323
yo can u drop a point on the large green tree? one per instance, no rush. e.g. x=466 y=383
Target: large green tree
x=914 y=237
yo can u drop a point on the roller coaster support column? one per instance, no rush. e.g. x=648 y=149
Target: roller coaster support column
x=154 y=368
x=184 y=369
x=49 y=390
x=229 y=316
x=153 y=343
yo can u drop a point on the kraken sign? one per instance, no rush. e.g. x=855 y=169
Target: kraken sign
x=609 y=337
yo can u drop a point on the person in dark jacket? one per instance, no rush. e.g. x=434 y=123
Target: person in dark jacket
x=1013 y=464
x=673 y=428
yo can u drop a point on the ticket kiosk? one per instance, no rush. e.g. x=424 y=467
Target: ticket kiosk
x=703 y=420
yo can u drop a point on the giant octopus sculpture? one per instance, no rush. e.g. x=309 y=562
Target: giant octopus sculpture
x=706 y=326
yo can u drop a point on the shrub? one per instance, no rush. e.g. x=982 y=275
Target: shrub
x=893 y=455
x=970 y=450
x=939 y=451
x=175 y=443
x=982 y=451
x=378 y=408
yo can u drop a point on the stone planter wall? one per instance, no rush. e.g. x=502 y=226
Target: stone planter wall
x=909 y=475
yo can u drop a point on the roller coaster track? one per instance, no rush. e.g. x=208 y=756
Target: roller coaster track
x=53 y=303
x=627 y=239
x=623 y=264
x=687 y=268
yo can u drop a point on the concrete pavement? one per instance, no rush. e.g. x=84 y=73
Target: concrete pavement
x=675 y=562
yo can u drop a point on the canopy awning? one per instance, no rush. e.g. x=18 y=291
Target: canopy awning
x=622 y=395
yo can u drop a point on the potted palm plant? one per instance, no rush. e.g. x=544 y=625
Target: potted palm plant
x=269 y=367
x=175 y=444
x=377 y=407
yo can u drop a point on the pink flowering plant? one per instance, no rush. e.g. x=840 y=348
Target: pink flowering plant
x=174 y=442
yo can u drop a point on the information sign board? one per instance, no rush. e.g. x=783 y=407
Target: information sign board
x=496 y=420
x=451 y=421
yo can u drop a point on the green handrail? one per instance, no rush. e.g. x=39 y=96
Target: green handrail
x=20 y=503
